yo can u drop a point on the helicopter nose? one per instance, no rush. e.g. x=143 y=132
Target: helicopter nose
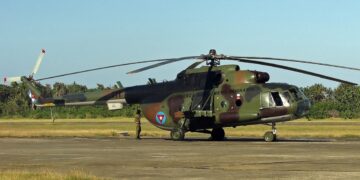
x=303 y=108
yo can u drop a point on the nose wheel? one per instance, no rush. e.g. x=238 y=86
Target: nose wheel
x=270 y=136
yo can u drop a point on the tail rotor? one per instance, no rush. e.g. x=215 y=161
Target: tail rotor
x=33 y=73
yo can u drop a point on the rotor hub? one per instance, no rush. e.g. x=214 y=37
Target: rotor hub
x=212 y=59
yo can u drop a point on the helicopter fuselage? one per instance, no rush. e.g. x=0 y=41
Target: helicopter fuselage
x=202 y=98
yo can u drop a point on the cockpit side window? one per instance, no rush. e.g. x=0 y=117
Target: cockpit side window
x=277 y=98
x=285 y=96
x=267 y=100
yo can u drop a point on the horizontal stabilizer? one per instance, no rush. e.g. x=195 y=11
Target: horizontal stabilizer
x=115 y=106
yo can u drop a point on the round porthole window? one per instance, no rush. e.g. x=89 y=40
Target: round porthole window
x=223 y=104
x=238 y=102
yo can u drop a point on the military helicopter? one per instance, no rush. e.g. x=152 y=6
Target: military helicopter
x=201 y=99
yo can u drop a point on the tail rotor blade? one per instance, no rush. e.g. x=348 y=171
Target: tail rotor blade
x=38 y=62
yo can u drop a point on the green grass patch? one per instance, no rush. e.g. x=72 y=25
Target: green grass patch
x=46 y=175
x=110 y=127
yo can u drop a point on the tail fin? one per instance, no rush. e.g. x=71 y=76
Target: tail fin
x=34 y=91
x=31 y=84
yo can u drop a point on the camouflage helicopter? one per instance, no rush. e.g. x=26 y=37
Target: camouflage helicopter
x=201 y=99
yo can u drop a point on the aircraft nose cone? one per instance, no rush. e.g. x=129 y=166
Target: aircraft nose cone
x=303 y=108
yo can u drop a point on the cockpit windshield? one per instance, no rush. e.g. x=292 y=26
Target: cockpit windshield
x=297 y=93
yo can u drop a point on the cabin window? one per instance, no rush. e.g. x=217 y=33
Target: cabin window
x=238 y=102
x=223 y=104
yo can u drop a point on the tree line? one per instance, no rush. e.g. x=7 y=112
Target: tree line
x=342 y=101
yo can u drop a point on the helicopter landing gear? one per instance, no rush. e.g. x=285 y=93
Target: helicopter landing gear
x=270 y=136
x=177 y=134
x=218 y=134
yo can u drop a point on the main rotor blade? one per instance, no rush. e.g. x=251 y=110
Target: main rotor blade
x=112 y=66
x=297 y=61
x=195 y=64
x=161 y=64
x=290 y=69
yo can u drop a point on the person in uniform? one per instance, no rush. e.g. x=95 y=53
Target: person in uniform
x=138 y=123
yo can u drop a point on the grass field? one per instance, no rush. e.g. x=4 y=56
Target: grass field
x=110 y=127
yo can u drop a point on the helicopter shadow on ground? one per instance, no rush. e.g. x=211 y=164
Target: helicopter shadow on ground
x=247 y=139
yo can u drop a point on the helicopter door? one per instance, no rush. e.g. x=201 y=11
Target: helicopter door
x=221 y=107
x=201 y=101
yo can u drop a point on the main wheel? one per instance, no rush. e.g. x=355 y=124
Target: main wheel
x=177 y=134
x=269 y=136
x=218 y=134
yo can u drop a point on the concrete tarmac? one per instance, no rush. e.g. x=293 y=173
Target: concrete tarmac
x=127 y=158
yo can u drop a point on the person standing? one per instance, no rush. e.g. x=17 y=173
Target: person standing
x=138 y=123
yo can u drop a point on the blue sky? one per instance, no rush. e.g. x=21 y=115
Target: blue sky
x=87 y=33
